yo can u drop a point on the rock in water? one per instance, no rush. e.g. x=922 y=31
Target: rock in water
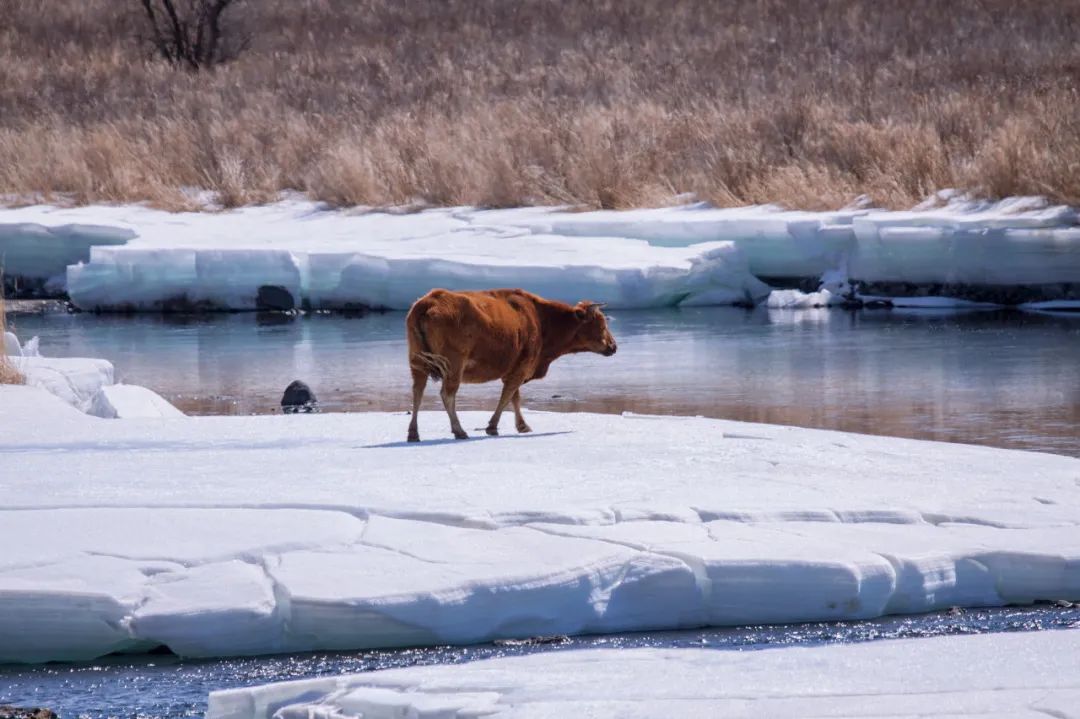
x=7 y=712
x=274 y=298
x=298 y=397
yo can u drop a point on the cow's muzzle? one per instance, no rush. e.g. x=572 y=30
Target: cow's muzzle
x=610 y=350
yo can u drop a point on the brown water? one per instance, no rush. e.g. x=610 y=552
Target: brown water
x=1006 y=379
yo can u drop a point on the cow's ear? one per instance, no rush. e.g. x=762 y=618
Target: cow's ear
x=587 y=310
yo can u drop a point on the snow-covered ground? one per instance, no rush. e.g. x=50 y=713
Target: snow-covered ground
x=244 y=535
x=997 y=676
x=1014 y=252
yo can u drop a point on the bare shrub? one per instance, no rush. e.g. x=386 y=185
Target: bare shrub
x=192 y=33
x=615 y=103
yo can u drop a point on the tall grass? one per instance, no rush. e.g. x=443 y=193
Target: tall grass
x=610 y=103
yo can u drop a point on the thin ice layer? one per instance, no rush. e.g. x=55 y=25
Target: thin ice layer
x=998 y=675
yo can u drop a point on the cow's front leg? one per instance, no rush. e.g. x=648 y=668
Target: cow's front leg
x=510 y=387
x=522 y=425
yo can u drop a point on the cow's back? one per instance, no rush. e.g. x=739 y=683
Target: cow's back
x=493 y=332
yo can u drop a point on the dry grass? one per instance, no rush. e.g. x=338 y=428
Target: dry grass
x=613 y=103
x=8 y=373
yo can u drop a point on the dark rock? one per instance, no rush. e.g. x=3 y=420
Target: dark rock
x=1007 y=295
x=803 y=284
x=9 y=712
x=274 y=319
x=877 y=305
x=298 y=397
x=28 y=288
x=354 y=309
x=38 y=307
x=180 y=304
x=274 y=298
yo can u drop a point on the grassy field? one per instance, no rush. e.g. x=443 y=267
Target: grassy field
x=607 y=103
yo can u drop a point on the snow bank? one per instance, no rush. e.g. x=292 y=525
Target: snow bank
x=245 y=535
x=777 y=244
x=12 y=347
x=1014 y=252
x=76 y=380
x=629 y=277
x=125 y=401
x=998 y=675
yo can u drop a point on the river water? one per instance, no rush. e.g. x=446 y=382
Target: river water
x=1008 y=379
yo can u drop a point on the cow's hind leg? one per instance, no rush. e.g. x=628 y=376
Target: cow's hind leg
x=450 y=386
x=419 y=382
x=510 y=388
x=519 y=420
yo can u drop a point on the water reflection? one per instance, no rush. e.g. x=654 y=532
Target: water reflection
x=1000 y=378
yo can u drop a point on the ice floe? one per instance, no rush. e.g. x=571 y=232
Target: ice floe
x=796 y=300
x=998 y=675
x=245 y=535
x=1015 y=252
x=123 y=401
x=87 y=384
x=76 y=380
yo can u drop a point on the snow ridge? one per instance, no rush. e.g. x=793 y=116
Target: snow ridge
x=342 y=582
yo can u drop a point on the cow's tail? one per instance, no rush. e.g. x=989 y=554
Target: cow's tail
x=421 y=358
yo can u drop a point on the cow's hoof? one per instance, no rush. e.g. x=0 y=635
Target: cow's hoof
x=414 y=438
x=493 y=431
x=523 y=428
x=460 y=435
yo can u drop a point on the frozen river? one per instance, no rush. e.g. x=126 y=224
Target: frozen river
x=1002 y=378
x=1006 y=379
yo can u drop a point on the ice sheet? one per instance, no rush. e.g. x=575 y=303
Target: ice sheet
x=999 y=675
x=237 y=535
x=124 y=401
x=1013 y=252
x=76 y=380
x=34 y=253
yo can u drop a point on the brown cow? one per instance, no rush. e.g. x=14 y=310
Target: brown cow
x=510 y=335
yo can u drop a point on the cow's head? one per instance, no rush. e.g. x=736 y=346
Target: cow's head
x=593 y=334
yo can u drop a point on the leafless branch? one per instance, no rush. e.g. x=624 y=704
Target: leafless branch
x=193 y=35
